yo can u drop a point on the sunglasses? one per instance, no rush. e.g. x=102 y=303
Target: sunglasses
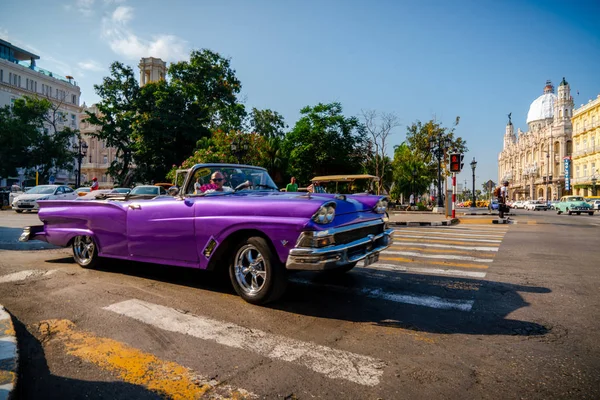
x=217 y=179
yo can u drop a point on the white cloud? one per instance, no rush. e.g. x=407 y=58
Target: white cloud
x=90 y=65
x=123 y=41
x=122 y=14
x=85 y=7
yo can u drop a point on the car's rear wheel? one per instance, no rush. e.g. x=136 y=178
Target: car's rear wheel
x=85 y=251
x=256 y=273
x=591 y=213
x=558 y=211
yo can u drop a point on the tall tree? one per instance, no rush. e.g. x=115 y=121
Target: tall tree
x=117 y=113
x=379 y=127
x=210 y=89
x=34 y=132
x=267 y=123
x=323 y=142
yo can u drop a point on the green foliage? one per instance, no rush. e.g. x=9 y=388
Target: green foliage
x=418 y=136
x=411 y=174
x=210 y=89
x=217 y=149
x=117 y=108
x=33 y=136
x=267 y=123
x=324 y=142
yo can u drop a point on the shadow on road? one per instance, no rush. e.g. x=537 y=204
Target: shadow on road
x=36 y=380
x=339 y=297
x=9 y=240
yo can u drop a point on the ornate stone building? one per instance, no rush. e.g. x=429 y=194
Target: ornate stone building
x=534 y=161
x=586 y=154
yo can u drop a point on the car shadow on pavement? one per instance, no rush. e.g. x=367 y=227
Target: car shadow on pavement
x=351 y=297
x=360 y=297
x=36 y=380
x=9 y=240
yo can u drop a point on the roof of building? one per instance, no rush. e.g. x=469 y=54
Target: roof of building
x=542 y=107
x=20 y=54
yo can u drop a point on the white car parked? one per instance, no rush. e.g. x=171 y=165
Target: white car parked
x=518 y=204
x=28 y=200
x=536 y=205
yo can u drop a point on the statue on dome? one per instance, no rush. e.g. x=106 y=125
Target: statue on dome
x=509 y=120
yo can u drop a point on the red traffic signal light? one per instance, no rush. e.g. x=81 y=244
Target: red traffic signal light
x=456 y=162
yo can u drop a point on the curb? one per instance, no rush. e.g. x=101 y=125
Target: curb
x=9 y=355
x=422 y=223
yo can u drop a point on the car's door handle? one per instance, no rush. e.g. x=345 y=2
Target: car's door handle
x=135 y=206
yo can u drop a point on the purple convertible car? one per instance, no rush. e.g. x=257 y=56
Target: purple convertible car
x=249 y=228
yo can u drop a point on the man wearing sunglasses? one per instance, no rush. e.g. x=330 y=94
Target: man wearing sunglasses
x=218 y=180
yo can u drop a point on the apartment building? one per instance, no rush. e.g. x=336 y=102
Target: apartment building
x=586 y=152
x=20 y=76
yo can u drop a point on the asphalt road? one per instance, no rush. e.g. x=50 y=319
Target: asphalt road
x=476 y=310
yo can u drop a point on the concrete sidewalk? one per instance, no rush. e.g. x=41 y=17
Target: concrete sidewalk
x=420 y=218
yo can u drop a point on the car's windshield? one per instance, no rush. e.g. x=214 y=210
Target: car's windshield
x=234 y=176
x=576 y=199
x=144 y=190
x=42 y=190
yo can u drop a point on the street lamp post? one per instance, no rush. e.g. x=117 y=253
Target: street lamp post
x=414 y=175
x=438 y=145
x=239 y=148
x=594 y=179
x=80 y=147
x=473 y=165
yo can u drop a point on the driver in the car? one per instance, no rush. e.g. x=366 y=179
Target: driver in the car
x=217 y=180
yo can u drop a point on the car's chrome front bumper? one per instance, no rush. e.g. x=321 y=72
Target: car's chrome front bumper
x=335 y=256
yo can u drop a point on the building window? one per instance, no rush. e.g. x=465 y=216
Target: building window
x=577 y=171
x=105 y=159
x=1 y=75
x=74 y=99
x=19 y=81
x=585 y=170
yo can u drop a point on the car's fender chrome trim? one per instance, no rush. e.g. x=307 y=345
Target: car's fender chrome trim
x=334 y=256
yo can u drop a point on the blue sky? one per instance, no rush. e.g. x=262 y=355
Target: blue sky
x=479 y=60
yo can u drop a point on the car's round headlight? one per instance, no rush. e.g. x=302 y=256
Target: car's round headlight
x=325 y=214
x=381 y=206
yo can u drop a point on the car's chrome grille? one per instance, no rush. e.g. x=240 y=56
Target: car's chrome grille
x=356 y=234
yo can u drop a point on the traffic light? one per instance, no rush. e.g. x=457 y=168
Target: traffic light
x=456 y=162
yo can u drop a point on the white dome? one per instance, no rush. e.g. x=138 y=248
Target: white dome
x=542 y=108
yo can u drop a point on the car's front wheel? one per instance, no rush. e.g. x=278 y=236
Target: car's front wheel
x=18 y=211
x=256 y=273
x=558 y=211
x=85 y=251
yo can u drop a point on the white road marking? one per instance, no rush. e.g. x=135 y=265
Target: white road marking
x=22 y=275
x=430 y=271
x=333 y=363
x=407 y=298
x=449 y=233
x=445 y=246
x=438 y=256
x=446 y=238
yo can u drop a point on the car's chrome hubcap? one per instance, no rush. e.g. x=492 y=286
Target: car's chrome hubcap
x=250 y=271
x=83 y=249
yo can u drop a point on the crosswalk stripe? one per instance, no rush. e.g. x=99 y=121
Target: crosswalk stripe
x=408 y=260
x=333 y=363
x=445 y=251
x=438 y=256
x=166 y=378
x=500 y=229
x=443 y=238
x=25 y=274
x=442 y=241
x=407 y=298
x=444 y=246
x=431 y=271
x=396 y=231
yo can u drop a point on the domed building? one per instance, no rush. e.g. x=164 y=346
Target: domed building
x=534 y=162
